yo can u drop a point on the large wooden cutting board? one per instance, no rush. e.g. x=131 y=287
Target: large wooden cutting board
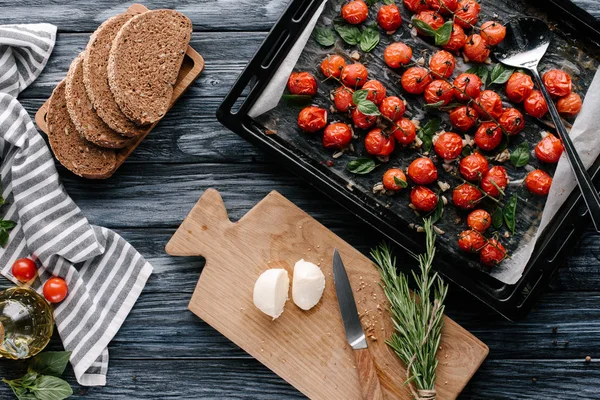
x=306 y=348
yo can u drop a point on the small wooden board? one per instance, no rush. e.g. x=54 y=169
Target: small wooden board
x=192 y=66
x=306 y=348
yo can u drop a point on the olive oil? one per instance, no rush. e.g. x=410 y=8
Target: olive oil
x=26 y=323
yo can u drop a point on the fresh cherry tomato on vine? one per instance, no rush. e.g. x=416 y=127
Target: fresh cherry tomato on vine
x=466 y=196
x=492 y=253
x=431 y=18
x=457 y=40
x=488 y=136
x=489 y=102
x=538 y=182
x=392 y=178
x=467 y=13
x=337 y=136
x=444 y=7
x=415 y=80
x=439 y=90
x=416 y=6
x=473 y=167
x=363 y=121
x=354 y=75
x=494 y=180
x=422 y=171
x=476 y=49
x=512 y=121
x=480 y=220
x=557 y=82
x=389 y=18
x=405 y=132
x=442 y=64
x=312 y=119
x=535 y=104
x=423 y=199
x=332 y=66
x=55 y=290
x=393 y=108
x=376 y=91
x=355 y=12
x=397 y=54
x=518 y=87
x=570 y=105
x=463 y=117
x=549 y=149
x=342 y=98
x=24 y=269
x=492 y=32
x=467 y=86
x=378 y=144
x=471 y=241
x=448 y=145
x=302 y=83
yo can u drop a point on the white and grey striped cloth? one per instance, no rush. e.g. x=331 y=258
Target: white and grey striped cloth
x=105 y=274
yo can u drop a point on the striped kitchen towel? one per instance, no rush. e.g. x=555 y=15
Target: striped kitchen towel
x=105 y=274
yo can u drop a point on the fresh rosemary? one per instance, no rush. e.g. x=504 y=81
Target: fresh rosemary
x=417 y=322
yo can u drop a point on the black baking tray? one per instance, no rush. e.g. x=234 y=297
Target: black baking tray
x=511 y=301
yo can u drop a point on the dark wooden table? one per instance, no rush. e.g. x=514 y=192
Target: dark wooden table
x=163 y=350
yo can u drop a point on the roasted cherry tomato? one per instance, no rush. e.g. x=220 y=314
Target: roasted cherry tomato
x=442 y=64
x=538 y=182
x=463 y=117
x=389 y=18
x=492 y=32
x=535 y=104
x=378 y=144
x=355 y=12
x=492 y=253
x=355 y=75
x=337 y=136
x=392 y=107
x=393 y=178
x=473 y=167
x=55 y=290
x=519 y=87
x=439 y=90
x=457 y=39
x=471 y=241
x=444 y=7
x=405 y=132
x=397 y=54
x=570 y=105
x=491 y=102
x=363 y=121
x=416 y=6
x=495 y=179
x=476 y=49
x=376 y=91
x=332 y=66
x=467 y=13
x=466 y=196
x=557 y=82
x=302 y=83
x=415 y=80
x=467 y=87
x=488 y=136
x=480 y=220
x=549 y=149
x=423 y=199
x=448 y=145
x=24 y=269
x=431 y=18
x=312 y=119
x=342 y=98
x=422 y=171
x=512 y=121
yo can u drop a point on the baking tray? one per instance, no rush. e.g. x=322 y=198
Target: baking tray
x=512 y=301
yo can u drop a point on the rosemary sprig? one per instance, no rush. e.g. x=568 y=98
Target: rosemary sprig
x=417 y=321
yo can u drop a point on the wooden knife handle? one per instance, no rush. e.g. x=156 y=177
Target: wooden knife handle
x=367 y=375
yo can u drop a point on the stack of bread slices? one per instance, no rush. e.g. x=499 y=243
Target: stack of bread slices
x=116 y=89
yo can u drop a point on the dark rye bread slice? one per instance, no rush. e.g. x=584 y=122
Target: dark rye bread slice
x=85 y=119
x=144 y=62
x=70 y=149
x=95 y=77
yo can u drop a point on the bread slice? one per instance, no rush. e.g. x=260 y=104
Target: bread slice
x=95 y=77
x=70 y=148
x=80 y=109
x=144 y=62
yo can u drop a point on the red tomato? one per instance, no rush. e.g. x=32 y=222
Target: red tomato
x=488 y=136
x=519 y=87
x=439 y=90
x=535 y=105
x=463 y=117
x=444 y=7
x=495 y=178
x=471 y=241
x=493 y=32
x=467 y=87
x=422 y=171
x=397 y=54
x=480 y=220
x=457 y=40
x=491 y=102
x=424 y=199
x=473 y=167
x=355 y=12
x=476 y=49
x=557 y=82
x=55 y=290
x=376 y=91
x=342 y=98
x=570 y=105
x=24 y=269
x=406 y=132
x=312 y=119
x=337 y=136
x=415 y=80
x=466 y=196
x=377 y=144
x=448 y=145
x=391 y=177
x=416 y=6
x=538 y=182
x=512 y=121
x=549 y=149
x=492 y=253
x=442 y=64
x=332 y=66
x=363 y=121
x=302 y=83
x=393 y=108
x=431 y=18
x=389 y=18
x=355 y=75
x=467 y=13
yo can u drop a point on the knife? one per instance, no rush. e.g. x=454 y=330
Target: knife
x=367 y=372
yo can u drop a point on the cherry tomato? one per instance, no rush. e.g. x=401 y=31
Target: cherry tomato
x=423 y=199
x=376 y=91
x=422 y=171
x=416 y=6
x=377 y=144
x=355 y=75
x=444 y=7
x=557 y=82
x=538 y=182
x=448 y=145
x=391 y=178
x=337 y=136
x=415 y=80
x=495 y=178
x=392 y=107
x=431 y=18
x=467 y=87
x=442 y=64
x=312 y=119
x=535 y=105
x=463 y=117
x=492 y=253
x=549 y=149
x=519 y=87
x=467 y=13
x=488 y=136
x=512 y=121
x=363 y=121
x=473 y=167
x=570 y=105
x=389 y=18
x=439 y=90
x=355 y=12
x=466 y=196
x=24 y=269
x=457 y=40
x=55 y=290
x=492 y=32
x=302 y=83
x=397 y=54
x=332 y=66
x=476 y=49
x=491 y=102
x=406 y=132
x=480 y=220
x=471 y=241
x=342 y=98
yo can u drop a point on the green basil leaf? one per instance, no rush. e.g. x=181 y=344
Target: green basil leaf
x=510 y=211
x=368 y=108
x=400 y=182
x=2 y=200
x=503 y=144
x=369 y=39
x=481 y=71
x=423 y=27
x=361 y=166
x=439 y=211
x=297 y=100
x=520 y=156
x=359 y=96
x=426 y=133
x=50 y=363
x=370 y=2
x=435 y=105
x=497 y=218
x=443 y=33
x=8 y=225
x=324 y=36
x=500 y=74
x=349 y=33
x=3 y=238
x=467 y=150
x=388 y=2
x=51 y=388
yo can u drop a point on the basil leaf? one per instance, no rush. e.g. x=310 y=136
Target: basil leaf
x=520 y=156
x=51 y=388
x=8 y=225
x=467 y=150
x=360 y=96
x=324 y=37
x=497 y=218
x=500 y=74
x=3 y=238
x=439 y=211
x=296 y=100
x=369 y=39
x=481 y=71
x=503 y=144
x=423 y=27
x=361 y=166
x=442 y=34
x=349 y=33
x=435 y=105
x=370 y=2
x=368 y=108
x=50 y=363
x=426 y=133
x=510 y=211
x=388 y=2
x=400 y=182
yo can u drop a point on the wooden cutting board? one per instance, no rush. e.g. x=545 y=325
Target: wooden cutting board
x=306 y=348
